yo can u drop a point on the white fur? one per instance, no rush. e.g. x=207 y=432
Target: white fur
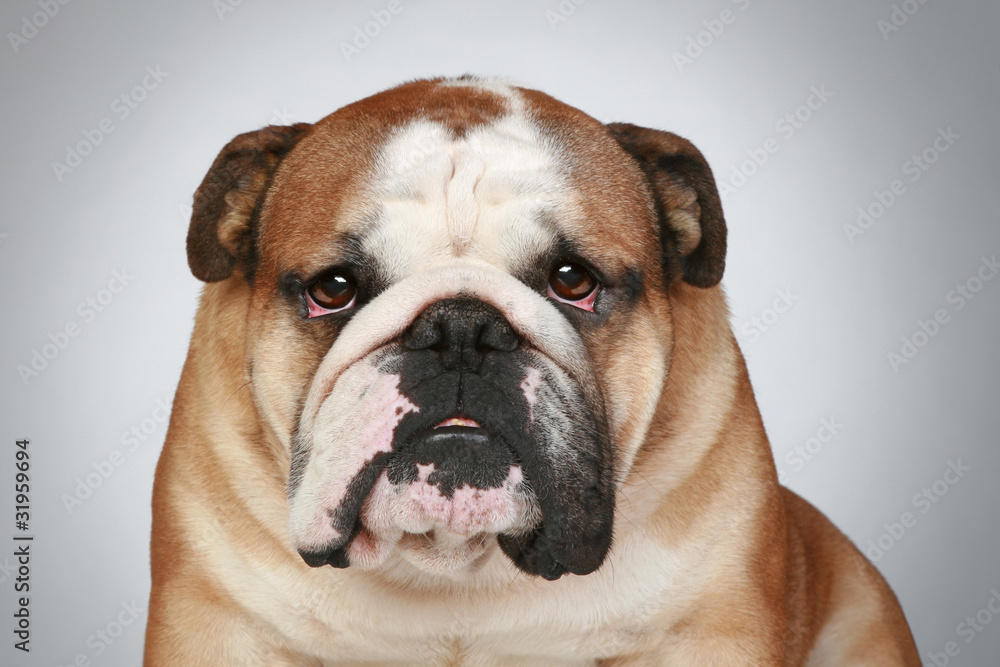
x=483 y=195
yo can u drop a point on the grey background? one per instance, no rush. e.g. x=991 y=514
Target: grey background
x=231 y=67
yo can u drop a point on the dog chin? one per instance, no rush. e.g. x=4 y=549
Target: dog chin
x=436 y=552
x=449 y=534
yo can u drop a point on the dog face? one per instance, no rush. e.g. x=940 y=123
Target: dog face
x=457 y=313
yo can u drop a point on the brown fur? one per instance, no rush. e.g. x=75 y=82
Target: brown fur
x=759 y=576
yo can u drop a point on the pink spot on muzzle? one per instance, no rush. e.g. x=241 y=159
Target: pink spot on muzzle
x=383 y=409
x=388 y=407
x=470 y=509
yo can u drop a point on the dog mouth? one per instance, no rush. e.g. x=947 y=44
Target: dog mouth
x=443 y=493
x=458 y=436
x=441 y=500
x=456 y=453
x=440 y=470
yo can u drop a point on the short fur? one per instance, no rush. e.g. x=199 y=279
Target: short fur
x=471 y=189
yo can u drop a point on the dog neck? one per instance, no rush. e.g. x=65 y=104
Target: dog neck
x=707 y=432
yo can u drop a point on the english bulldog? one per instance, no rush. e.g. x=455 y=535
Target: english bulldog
x=462 y=390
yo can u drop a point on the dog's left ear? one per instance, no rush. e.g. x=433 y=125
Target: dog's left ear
x=691 y=223
x=221 y=236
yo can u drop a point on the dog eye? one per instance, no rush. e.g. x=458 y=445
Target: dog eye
x=332 y=292
x=573 y=284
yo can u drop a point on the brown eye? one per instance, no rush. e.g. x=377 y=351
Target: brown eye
x=571 y=282
x=331 y=292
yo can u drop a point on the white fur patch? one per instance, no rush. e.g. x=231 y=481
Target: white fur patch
x=529 y=387
x=355 y=423
x=485 y=194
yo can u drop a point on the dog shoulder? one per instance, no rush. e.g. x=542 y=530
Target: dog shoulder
x=852 y=616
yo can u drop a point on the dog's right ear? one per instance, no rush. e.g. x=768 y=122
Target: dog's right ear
x=690 y=211
x=222 y=231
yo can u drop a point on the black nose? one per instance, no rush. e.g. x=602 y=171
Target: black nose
x=462 y=331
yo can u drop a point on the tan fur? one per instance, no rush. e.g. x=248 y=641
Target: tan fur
x=713 y=563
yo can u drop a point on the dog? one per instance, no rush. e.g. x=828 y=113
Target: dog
x=462 y=390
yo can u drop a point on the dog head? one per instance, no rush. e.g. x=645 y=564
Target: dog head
x=457 y=314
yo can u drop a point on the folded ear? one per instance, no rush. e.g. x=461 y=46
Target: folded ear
x=690 y=212
x=226 y=203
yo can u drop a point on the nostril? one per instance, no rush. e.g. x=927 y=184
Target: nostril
x=425 y=334
x=497 y=335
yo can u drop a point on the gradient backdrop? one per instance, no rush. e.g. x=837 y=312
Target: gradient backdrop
x=856 y=144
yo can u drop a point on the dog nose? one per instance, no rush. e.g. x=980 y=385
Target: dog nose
x=462 y=331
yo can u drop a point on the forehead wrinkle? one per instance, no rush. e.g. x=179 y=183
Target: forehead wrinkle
x=498 y=191
x=517 y=245
x=397 y=247
x=460 y=202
